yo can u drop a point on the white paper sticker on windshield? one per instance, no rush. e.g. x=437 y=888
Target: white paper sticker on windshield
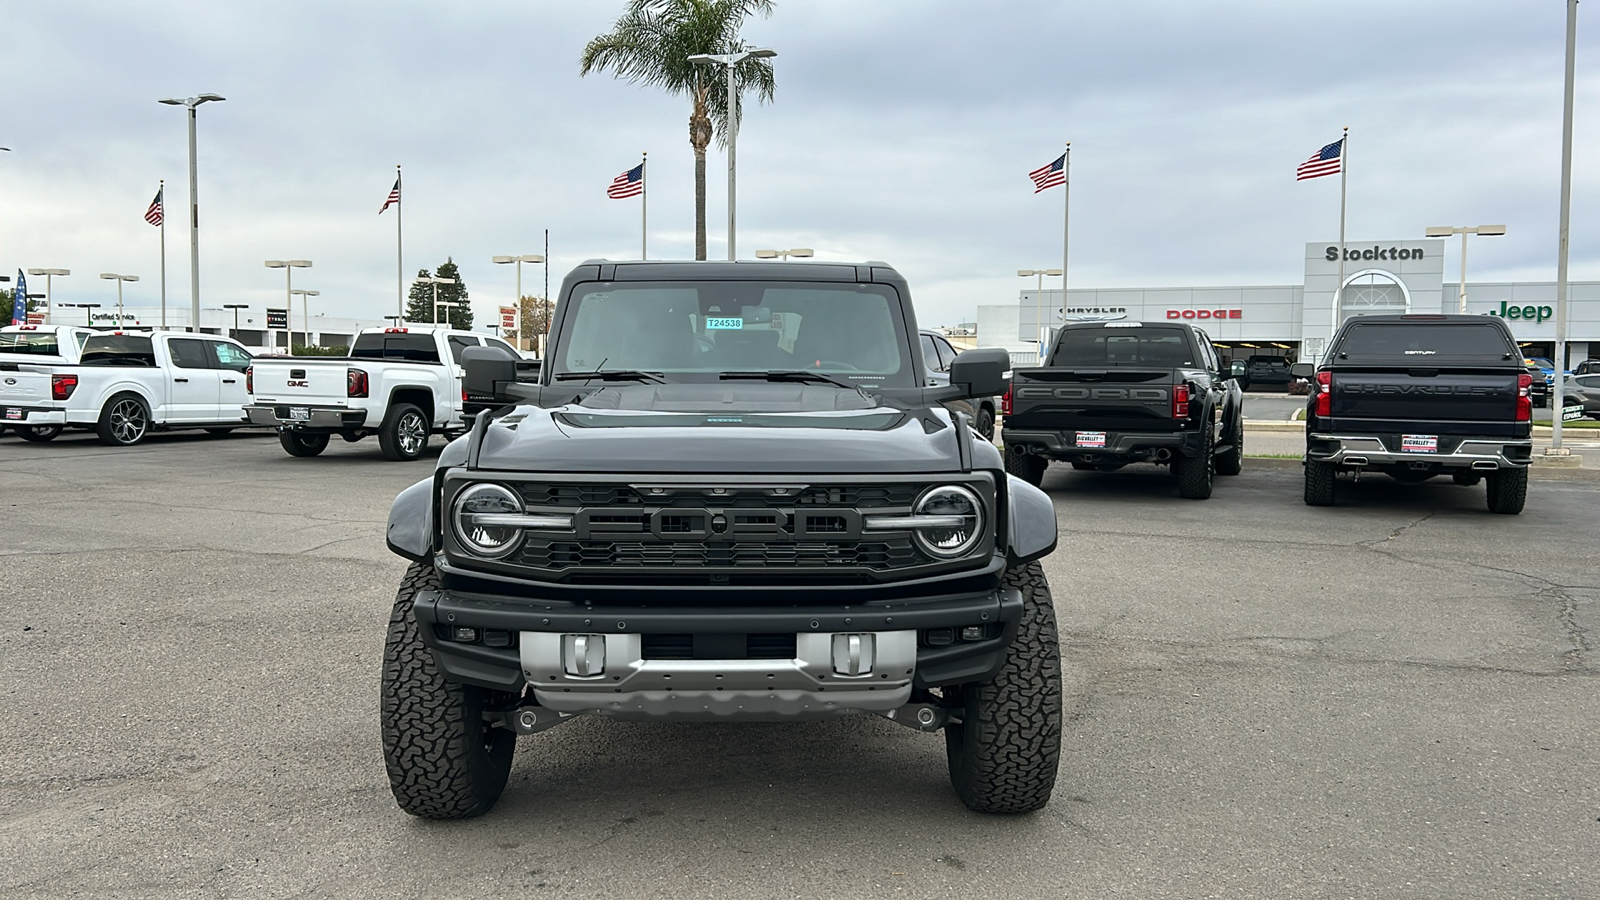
x=724 y=323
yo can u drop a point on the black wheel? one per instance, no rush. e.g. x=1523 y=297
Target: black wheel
x=1231 y=462
x=219 y=431
x=1195 y=472
x=1004 y=753
x=302 y=444
x=1082 y=466
x=1026 y=466
x=38 y=434
x=1465 y=477
x=1319 y=483
x=124 y=421
x=1508 y=490
x=444 y=760
x=404 y=433
x=984 y=424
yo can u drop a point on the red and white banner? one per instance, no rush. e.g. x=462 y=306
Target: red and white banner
x=508 y=319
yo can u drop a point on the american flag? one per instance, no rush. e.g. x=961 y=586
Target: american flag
x=157 y=211
x=628 y=184
x=394 y=197
x=1051 y=175
x=1323 y=162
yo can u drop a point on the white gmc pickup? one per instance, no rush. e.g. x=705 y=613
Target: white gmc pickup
x=401 y=384
x=127 y=384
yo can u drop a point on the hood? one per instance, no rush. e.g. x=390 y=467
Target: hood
x=722 y=428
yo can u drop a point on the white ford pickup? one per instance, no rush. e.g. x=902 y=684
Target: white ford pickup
x=402 y=384
x=43 y=344
x=127 y=384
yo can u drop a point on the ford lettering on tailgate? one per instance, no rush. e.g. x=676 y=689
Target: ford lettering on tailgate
x=1096 y=393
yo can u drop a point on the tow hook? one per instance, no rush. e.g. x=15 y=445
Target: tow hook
x=923 y=716
x=528 y=720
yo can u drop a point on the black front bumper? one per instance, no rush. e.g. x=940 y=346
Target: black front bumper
x=440 y=613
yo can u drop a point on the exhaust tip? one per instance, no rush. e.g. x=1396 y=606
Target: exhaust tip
x=1355 y=460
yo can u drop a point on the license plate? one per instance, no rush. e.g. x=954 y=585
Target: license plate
x=299 y=414
x=1091 y=439
x=15 y=414
x=1419 y=443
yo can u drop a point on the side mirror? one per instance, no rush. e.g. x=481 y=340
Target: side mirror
x=1303 y=370
x=488 y=371
x=981 y=373
x=1236 y=370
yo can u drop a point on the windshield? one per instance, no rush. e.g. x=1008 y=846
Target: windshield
x=34 y=343
x=1413 y=341
x=689 y=331
x=1163 y=348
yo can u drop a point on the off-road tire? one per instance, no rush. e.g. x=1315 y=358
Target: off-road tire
x=1466 y=477
x=1195 y=473
x=38 y=434
x=1004 y=753
x=1232 y=461
x=124 y=421
x=1026 y=466
x=444 y=760
x=302 y=444
x=1508 y=490
x=984 y=424
x=1319 y=483
x=398 y=437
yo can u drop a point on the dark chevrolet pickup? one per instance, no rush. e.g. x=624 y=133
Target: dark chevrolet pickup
x=1114 y=393
x=1415 y=396
x=729 y=493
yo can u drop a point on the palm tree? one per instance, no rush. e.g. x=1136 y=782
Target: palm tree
x=651 y=44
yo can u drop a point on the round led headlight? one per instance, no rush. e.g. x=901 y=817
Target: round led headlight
x=483 y=501
x=961 y=509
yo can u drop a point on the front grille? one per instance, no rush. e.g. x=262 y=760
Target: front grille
x=731 y=533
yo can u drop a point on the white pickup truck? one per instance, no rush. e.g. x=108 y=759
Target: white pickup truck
x=34 y=345
x=127 y=384
x=401 y=384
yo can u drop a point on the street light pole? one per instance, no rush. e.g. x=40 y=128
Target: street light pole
x=730 y=62
x=49 y=302
x=235 y=307
x=305 y=313
x=519 y=260
x=288 y=266
x=1038 y=297
x=119 y=279
x=436 y=280
x=88 y=311
x=1446 y=231
x=1558 y=400
x=191 y=104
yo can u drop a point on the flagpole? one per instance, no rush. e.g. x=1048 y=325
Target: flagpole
x=644 y=220
x=1066 y=217
x=162 y=193
x=1338 y=290
x=399 y=253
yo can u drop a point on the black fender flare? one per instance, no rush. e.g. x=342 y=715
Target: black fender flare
x=1031 y=522
x=410 y=531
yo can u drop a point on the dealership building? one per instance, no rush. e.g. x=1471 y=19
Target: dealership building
x=1296 y=320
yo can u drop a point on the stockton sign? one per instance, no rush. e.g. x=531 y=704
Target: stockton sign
x=1373 y=253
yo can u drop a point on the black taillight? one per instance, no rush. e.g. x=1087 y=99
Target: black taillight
x=355 y=382
x=62 y=386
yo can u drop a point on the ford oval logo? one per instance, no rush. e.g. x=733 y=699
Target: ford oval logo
x=11 y=381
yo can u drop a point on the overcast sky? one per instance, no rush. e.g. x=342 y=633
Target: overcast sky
x=901 y=131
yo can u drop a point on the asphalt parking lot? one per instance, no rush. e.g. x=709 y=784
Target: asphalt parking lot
x=1391 y=698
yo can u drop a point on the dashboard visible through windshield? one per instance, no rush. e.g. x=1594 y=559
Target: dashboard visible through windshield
x=698 y=331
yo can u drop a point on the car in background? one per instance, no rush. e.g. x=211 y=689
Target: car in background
x=937 y=356
x=1539 y=391
x=1267 y=372
x=1546 y=367
x=1587 y=367
x=1583 y=390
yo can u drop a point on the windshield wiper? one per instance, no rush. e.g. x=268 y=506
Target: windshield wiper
x=613 y=375
x=801 y=375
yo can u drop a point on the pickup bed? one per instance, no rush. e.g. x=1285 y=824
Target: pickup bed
x=127 y=384
x=401 y=384
x=1418 y=396
x=1114 y=393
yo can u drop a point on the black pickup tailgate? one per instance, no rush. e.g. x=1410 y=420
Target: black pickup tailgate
x=1072 y=399
x=1460 y=401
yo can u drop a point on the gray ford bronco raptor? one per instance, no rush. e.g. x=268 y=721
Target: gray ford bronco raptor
x=729 y=493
